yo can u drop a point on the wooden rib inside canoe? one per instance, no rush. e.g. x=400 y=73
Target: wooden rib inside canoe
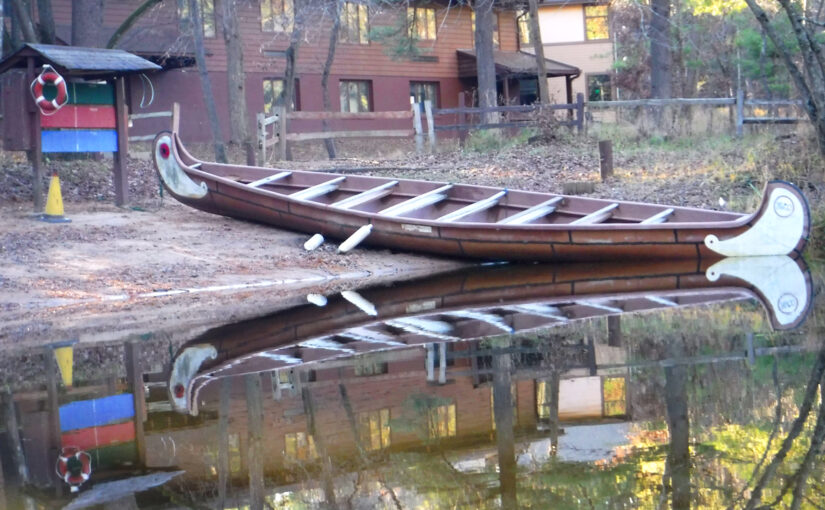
x=478 y=221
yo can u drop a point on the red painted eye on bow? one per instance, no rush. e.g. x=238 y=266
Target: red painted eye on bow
x=178 y=387
x=164 y=150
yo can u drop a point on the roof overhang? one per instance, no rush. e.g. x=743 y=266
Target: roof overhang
x=91 y=63
x=514 y=64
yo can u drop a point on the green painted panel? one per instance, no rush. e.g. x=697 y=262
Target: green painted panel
x=109 y=457
x=91 y=93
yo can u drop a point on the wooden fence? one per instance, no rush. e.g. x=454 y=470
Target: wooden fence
x=281 y=129
x=531 y=116
x=739 y=102
x=140 y=116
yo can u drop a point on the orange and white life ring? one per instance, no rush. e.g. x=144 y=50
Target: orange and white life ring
x=49 y=77
x=74 y=466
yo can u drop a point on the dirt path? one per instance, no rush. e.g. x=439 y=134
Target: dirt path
x=113 y=274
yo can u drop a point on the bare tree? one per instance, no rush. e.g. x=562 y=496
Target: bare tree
x=87 y=19
x=24 y=20
x=302 y=13
x=130 y=21
x=46 y=18
x=329 y=143
x=485 y=65
x=538 y=48
x=206 y=82
x=236 y=77
x=809 y=79
x=660 y=58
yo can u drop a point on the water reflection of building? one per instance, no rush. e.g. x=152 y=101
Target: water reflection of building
x=438 y=394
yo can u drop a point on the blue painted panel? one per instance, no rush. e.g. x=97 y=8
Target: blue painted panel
x=92 y=413
x=80 y=140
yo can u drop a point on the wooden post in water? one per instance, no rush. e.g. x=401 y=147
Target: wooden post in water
x=134 y=377
x=223 y=441
x=606 y=159
x=13 y=431
x=53 y=410
x=255 y=455
x=505 y=438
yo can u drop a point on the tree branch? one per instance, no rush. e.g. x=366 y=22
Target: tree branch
x=130 y=21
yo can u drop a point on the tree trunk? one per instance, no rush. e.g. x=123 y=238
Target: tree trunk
x=679 y=428
x=291 y=58
x=538 y=48
x=660 y=58
x=333 y=44
x=206 y=82
x=505 y=438
x=255 y=462
x=47 y=31
x=130 y=21
x=24 y=21
x=87 y=20
x=485 y=65
x=236 y=76
x=223 y=440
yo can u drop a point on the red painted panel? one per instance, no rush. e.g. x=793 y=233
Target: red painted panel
x=95 y=437
x=81 y=116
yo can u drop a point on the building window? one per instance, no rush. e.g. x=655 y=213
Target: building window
x=207 y=8
x=614 y=394
x=595 y=22
x=421 y=23
x=355 y=96
x=528 y=91
x=370 y=365
x=354 y=24
x=441 y=421
x=543 y=400
x=299 y=446
x=523 y=20
x=277 y=15
x=496 y=43
x=274 y=95
x=598 y=87
x=421 y=91
x=374 y=429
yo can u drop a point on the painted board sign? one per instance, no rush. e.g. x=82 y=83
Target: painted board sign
x=81 y=116
x=96 y=437
x=93 y=413
x=80 y=140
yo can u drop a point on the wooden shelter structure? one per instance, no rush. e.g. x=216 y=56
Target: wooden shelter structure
x=95 y=120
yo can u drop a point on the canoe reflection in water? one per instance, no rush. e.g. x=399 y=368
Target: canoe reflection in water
x=478 y=303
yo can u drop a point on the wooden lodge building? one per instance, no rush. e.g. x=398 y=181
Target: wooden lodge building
x=364 y=77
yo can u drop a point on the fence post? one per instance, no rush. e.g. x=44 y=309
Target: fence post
x=262 y=136
x=740 y=111
x=282 y=127
x=419 y=132
x=579 y=112
x=428 y=110
x=605 y=159
x=462 y=118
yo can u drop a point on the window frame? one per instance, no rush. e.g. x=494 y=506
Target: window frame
x=362 y=26
x=286 y=14
x=435 y=424
x=605 y=16
x=372 y=425
x=296 y=102
x=587 y=78
x=522 y=28
x=436 y=87
x=367 y=94
x=430 y=23
x=185 y=16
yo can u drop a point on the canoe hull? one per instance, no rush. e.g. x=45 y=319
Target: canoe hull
x=487 y=241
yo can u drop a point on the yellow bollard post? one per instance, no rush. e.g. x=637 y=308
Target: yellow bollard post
x=54 y=203
x=64 y=354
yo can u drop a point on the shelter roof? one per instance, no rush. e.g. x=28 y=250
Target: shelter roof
x=513 y=63
x=78 y=61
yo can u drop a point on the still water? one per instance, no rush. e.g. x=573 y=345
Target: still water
x=673 y=385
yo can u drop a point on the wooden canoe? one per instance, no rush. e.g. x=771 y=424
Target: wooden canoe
x=477 y=303
x=480 y=222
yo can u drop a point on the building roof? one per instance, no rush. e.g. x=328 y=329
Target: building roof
x=78 y=61
x=513 y=63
